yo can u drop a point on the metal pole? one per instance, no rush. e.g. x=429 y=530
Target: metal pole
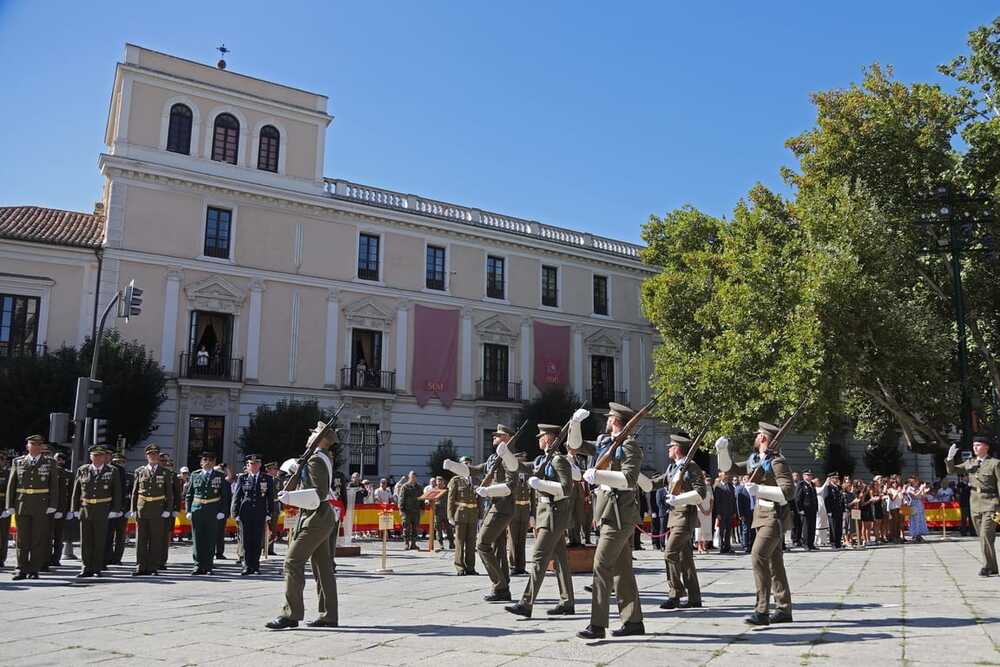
x=100 y=335
x=963 y=361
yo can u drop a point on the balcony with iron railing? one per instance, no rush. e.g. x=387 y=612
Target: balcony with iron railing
x=497 y=390
x=9 y=350
x=211 y=367
x=599 y=397
x=363 y=379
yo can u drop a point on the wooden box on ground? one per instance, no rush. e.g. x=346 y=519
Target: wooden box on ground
x=348 y=552
x=581 y=560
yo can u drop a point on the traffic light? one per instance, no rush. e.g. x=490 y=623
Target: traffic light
x=58 y=428
x=100 y=431
x=131 y=301
x=88 y=397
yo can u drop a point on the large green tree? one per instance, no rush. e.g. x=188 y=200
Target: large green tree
x=280 y=432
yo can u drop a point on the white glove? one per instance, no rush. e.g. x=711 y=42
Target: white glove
x=188 y=515
x=670 y=499
x=57 y=515
x=69 y=515
x=50 y=510
x=114 y=515
x=952 y=452
x=722 y=443
x=267 y=518
x=220 y=515
x=534 y=483
x=282 y=495
x=481 y=491
x=722 y=450
x=164 y=515
x=751 y=488
x=290 y=466
x=129 y=515
x=174 y=514
x=580 y=415
x=7 y=512
x=589 y=474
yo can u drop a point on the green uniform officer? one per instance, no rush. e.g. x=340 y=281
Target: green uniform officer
x=984 y=477
x=616 y=514
x=552 y=480
x=311 y=539
x=491 y=543
x=463 y=514
x=32 y=496
x=517 y=531
x=678 y=553
x=96 y=499
x=410 y=506
x=152 y=498
x=204 y=503
x=773 y=492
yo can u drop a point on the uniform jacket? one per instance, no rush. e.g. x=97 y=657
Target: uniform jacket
x=65 y=488
x=805 y=497
x=253 y=500
x=984 y=478
x=408 y=496
x=206 y=491
x=463 y=503
x=628 y=459
x=40 y=478
x=744 y=503
x=102 y=488
x=686 y=517
x=152 y=492
x=725 y=500
x=500 y=505
x=315 y=474
x=523 y=494
x=552 y=514
x=776 y=473
x=833 y=499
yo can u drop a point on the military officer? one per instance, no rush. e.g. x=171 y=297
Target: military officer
x=252 y=504
x=118 y=528
x=32 y=496
x=311 y=538
x=463 y=514
x=62 y=515
x=409 y=507
x=984 y=478
x=96 y=498
x=773 y=492
x=552 y=480
x=152 y=498
x=678 y=554
x=491 y=543
x=4 y=514
x=204 y=503
x=616 y=514
x=517 y=531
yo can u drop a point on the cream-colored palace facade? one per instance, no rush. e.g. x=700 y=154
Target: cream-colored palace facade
x=264 y=280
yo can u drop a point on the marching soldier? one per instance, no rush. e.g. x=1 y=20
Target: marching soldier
x=410 y=507
x=204 y=502
x=252 y=505
x=4 y=512
x=984 y=478
x=118 y=527
x=62 y=515
x=773 y=493
x=152 y=498
x=491 y=543
x=552 y=481
x=463 y=513
x=681 y=572
x=517 y=531
x=311 y=539
x=617 y=514
x=96 y=498
x=32 y=495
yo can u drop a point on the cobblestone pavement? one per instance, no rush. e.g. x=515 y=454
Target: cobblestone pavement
x=915 y=604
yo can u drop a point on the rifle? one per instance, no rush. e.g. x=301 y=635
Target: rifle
x=488 y=479
x=293 y=479
x=605 y=459
x=677 y=484
x=772 y=447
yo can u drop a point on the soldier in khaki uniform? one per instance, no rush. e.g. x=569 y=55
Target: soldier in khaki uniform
x=97 y=499
x=517 y=531
x=152 y=500
x=32 y=495
x=984 y=477
x=616 y=513
x=552 y=480
x=773 y=492
x=491 y=543
x=4 y=513
x=311 y=540
x=463 y=514
x=681 y=572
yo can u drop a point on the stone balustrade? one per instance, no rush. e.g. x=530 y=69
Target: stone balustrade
x=365 y=194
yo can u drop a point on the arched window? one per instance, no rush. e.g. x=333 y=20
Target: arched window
x=267 y=153
x=179 y=130
x=226 y=139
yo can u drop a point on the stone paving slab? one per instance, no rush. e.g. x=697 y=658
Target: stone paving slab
x=918 y=604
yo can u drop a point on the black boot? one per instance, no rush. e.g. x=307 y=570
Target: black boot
x=518 y=609
x=757 y=619
x=628 y=629
x=591 y=632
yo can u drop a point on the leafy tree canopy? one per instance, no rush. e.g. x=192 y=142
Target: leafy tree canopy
x=280 y=431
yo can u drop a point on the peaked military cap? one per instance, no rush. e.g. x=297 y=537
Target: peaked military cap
x=152 y=449
x=503 y=429
x=621 y=411
x=769 y=430
x=680 y=438
x=272 y=464
x=96 y=449
x=119 y=456
x=35 y=438
x=252 y=458
x=209 y=455
x=807 y=472
x=548 y=428
x=983 y=438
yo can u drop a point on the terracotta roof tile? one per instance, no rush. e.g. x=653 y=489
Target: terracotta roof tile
x=51 y=225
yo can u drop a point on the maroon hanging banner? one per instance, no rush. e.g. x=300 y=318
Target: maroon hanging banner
x=551 y=355
x=435 y=354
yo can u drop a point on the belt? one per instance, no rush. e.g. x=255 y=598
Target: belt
x=522 y=502
x=150 y=499
x=205 y=501
x=32 y=491
x=467 y=504
x=94 y=501
x=544 y=499
x=767 y=504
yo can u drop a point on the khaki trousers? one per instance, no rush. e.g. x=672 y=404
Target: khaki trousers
x=517 y=535
x=613 y=571
x=465 y=546
x=32 y=542
x=149 y=547
x=311 y=543
x=769 y=568
x=94 y=537
x=549 y=545
x=681 y=572
x=491 y=545
x=987 y=529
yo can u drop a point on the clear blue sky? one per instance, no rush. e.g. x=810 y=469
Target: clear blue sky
x=586 y=115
